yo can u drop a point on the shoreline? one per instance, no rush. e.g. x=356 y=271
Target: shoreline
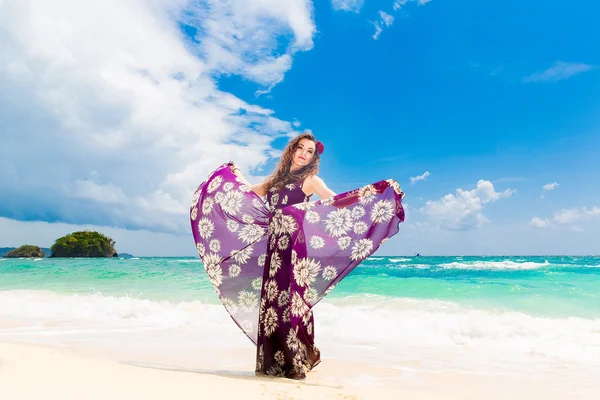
x=34 y=371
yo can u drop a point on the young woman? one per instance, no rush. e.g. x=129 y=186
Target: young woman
x=270 y=264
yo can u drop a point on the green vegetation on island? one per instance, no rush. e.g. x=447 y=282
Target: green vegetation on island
x=26 y=251
x=84 y=244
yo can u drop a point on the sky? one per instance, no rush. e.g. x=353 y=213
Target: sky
x=486 y=113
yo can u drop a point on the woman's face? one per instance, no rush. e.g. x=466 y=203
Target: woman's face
x=305 y=150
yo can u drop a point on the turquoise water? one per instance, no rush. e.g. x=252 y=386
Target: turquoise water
x=539 y=286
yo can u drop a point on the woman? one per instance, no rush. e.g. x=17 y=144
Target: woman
x=270 y=264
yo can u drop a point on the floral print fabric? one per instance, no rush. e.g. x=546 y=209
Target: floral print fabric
x=271 y=263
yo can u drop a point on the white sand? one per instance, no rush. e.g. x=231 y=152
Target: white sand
x=42 y=372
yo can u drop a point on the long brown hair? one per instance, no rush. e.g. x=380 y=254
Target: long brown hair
x=283 y=175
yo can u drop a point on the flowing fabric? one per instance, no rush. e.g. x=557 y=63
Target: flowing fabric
x=271 y=263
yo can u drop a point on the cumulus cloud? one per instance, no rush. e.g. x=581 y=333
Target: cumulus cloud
x=463 y=210
x=567 y=216
x=110 y=111
x=550 y=186
x=420 y=177
x=558 y=72
x=347 y=5
x=538 y=222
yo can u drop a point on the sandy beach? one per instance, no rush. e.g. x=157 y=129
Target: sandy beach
x=45 y=372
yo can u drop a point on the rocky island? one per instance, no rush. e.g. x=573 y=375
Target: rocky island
x=84 y=244
x=26 y=251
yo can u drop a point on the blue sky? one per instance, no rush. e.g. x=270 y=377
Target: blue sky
x=495 y=106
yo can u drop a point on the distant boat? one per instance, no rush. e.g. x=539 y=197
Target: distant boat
x=418 y=255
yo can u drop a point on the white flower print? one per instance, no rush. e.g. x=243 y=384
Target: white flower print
x=207 y=205
x=245 y=188
x=270 y=321
x=228 y=186
x=284 y=200
x=309 y=328
x=317 y=242
x=260 y=358
x=271 y=290
x=214 y=184
x=247 y=326
x=328 y=201
x=285 y=315
x=329 y=272
x=205 y=228
x=312 y=217
x=396 y=187
x=294 y=257
x=257 y=283
x=300 y=367
x=283 y=224
x=276 y=371
x=304 y=206
x=234 y=270
x=232 y=202
x=257 y=203
x=366 y=194
x=360 y=227
x=272 y=242
x=311 y=295
x=382 y=211
x=247 y=300
x=232 y=226
x=250 y=233
x=215 y=245
x=306 y=318
x=275 y=264
x=195 y=198
x=284 y=298
x=329 y=289
x=212 y=265
x=201 y=249
x=339 y=222
x=293 y=343
x=229 y=304
x=242 y=256
x=299 y=307
x=306 y=271
x=284 y=242
x=344 y=242
x=261 y=260
x=274 y=199
x=219 y=197
x=279 y=357
x=247 y=219
x=290 y=186
x=194 y=214
x=357 y=212
x=361 y=249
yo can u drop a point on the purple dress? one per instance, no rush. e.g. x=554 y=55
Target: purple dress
x=271 y=263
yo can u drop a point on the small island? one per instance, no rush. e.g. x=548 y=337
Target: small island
x=84 y=244
x=26 y=251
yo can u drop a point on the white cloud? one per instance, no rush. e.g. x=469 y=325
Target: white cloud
x=569 y=216
x=347 y=5
x=385 y=20
x=538 y=222
x=464 y=210
x=558 y=72
x=550 y=186
x=110 y=116
x=420 y=177
x=296 y=123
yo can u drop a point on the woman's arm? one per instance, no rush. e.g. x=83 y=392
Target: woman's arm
x=317 y=185
x=258 y=188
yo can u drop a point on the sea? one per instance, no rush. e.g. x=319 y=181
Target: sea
x=469 y=314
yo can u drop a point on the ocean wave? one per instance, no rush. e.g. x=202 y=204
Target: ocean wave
x=496 y=265
x=352 y=321
x=397 y=260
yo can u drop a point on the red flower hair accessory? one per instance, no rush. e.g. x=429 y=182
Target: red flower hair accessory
x=320 y=148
